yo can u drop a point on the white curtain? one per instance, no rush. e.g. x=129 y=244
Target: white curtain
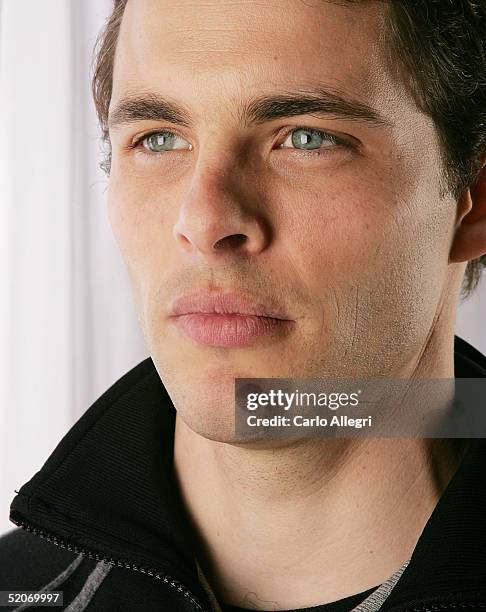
x=67 y=321
x=471 y=319
x=68 y=326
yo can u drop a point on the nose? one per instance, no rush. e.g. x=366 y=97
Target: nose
x=221 y=214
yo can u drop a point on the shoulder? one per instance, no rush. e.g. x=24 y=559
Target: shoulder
x=28 y=561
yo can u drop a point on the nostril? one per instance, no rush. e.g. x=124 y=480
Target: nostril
x=232 y=241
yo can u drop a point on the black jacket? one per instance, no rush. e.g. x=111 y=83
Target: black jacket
x=102 y=520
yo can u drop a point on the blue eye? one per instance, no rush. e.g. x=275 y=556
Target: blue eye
x=309 y=139
x=159 y=142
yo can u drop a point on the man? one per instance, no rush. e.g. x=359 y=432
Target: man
x=298 y=190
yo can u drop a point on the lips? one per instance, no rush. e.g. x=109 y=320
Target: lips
x=224 y=303
x=227 y=319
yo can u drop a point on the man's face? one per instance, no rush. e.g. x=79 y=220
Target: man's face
x=330 y=214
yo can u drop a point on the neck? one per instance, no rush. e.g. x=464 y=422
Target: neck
x=263 y=518
x=350 y=509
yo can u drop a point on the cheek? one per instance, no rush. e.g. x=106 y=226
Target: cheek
x=352 y=226
x=124 y=213
x=336 y=230
x=372 y=252
x=138 y=220
x=139 y=229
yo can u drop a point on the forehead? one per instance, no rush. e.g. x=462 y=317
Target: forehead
x=210 y=49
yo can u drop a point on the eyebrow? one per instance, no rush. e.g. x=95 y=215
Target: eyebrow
x=321 y=101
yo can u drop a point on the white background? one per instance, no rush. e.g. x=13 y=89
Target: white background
x=67 y=323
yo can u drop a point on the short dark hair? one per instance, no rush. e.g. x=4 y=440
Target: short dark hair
x=439 y=50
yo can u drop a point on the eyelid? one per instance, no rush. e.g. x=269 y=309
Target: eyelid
x=339 y=140
x=138 y=140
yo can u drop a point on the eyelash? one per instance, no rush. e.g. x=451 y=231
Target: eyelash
x=336 y=140
x=138 y=142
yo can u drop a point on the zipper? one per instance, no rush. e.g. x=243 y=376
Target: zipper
x=166 y=578
x=181 y=588
x=444 y=607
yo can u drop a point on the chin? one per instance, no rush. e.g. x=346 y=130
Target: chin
x=210 y=428
x=206 y=406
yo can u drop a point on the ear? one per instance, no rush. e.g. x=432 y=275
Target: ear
x=470 y=235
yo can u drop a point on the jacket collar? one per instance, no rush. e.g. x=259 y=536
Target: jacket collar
x=109 y=487
x=449 y=559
